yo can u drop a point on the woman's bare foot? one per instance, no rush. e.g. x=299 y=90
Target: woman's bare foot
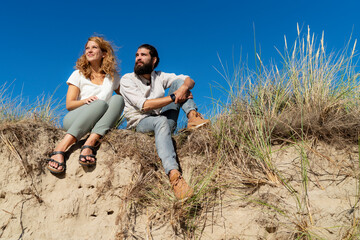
x=88 y=151
x=56 y=162
x=87 y=155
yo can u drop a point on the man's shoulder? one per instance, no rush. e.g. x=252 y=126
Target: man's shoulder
x=129 y=75
x=161 y=74
x=158 y=73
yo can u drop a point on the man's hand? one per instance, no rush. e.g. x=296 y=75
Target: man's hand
x=182 y=94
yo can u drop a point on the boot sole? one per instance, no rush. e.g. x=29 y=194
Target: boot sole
x=197 y=126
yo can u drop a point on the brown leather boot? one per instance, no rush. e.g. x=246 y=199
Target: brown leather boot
x=195 y=120
x=181 y=189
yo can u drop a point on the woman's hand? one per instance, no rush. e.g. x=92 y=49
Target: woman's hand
x=90 y=99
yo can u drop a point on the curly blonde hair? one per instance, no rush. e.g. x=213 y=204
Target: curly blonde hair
x=108 y=64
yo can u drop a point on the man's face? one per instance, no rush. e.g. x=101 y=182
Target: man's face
x=143 y=62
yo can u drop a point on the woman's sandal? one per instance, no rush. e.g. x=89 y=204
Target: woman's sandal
x=63 y=164
x=82 y=158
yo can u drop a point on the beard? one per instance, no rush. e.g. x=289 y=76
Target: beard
x=146 y=68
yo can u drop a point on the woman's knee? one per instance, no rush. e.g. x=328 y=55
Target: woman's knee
x=99 y=106
x=117 y=100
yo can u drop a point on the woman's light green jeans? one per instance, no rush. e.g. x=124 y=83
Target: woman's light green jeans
x=97 y=117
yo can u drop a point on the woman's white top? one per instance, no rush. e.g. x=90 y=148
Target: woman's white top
x=88 y=89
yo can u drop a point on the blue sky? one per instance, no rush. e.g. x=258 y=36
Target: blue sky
x=41 y=40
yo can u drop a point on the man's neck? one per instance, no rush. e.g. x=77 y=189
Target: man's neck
x=147 y=76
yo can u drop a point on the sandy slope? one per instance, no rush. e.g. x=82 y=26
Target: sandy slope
x=89 y=203
x=77 y=205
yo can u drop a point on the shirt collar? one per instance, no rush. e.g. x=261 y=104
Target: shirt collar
x=145 y=81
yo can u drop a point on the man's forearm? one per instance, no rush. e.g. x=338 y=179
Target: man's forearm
x=156 y=103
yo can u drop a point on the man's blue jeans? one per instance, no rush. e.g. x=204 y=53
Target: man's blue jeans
x=165 y=124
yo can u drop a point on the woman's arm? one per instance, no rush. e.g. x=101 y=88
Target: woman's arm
x=71 y=98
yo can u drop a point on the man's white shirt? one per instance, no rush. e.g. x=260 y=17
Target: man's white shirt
x=136 y=90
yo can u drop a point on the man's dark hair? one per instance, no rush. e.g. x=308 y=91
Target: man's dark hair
x=153 y=53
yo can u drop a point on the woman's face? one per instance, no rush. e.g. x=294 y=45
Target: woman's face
x=93 y=53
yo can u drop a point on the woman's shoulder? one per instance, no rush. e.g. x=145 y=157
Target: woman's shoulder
x=75 y=73
x=114 y=78
x=76 y=78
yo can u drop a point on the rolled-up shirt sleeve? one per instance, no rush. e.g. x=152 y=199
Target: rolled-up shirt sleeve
x=131 y=93
x=169 y=78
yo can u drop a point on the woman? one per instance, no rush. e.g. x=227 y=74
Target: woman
x=92 y=108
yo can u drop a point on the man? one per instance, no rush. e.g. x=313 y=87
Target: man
x=148 y=110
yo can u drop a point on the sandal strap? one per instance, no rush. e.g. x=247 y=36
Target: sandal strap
x=85 y=162
x=59 y=163
x=57 y=152
x=93 y=149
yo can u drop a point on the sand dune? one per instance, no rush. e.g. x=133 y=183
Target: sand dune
x=108 y=201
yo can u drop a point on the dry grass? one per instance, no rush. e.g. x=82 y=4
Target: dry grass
x=44 y=108
x=150 y=192
x=314 y=96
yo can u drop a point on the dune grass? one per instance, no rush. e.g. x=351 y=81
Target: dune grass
x=313 y=96
x=45 y=108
